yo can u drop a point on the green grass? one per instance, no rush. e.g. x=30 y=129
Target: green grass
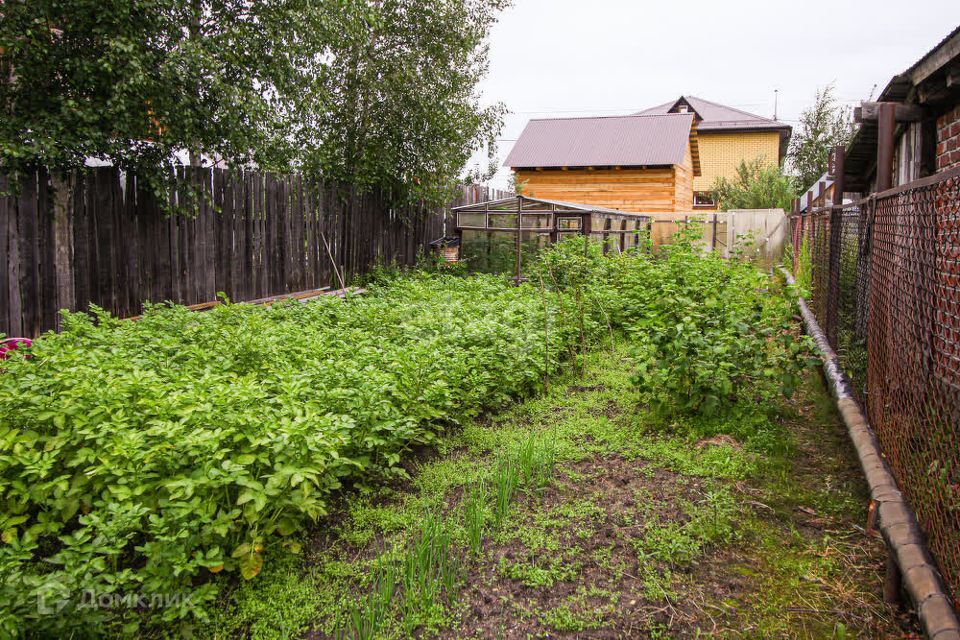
x=483 y=493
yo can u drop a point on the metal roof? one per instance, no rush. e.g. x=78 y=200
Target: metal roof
x=660 y=139
x=715 y=116
x=563 y=206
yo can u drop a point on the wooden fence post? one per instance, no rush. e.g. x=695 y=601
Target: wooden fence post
x=62 y=184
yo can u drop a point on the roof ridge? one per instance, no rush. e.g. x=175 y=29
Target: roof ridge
x=628 y=115
x=725 y=106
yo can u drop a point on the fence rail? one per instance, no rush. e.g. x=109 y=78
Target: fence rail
x=885 y=280
x=254 y=235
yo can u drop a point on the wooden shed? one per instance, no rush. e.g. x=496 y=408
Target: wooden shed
x=627 y=163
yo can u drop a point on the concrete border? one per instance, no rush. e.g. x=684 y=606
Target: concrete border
x=897 y=522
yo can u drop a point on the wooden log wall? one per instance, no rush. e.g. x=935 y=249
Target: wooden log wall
x=650 y=189
x=254 y=235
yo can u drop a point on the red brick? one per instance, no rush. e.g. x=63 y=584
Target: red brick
x=948 y=139
x=953 y=159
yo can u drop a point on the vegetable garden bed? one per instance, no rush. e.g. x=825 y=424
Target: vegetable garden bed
x=147 y=469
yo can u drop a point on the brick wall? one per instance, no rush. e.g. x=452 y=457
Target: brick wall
x=948 y=139
x=722 y=152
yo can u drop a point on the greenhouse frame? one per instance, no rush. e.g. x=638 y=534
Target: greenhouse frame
x=500 y=235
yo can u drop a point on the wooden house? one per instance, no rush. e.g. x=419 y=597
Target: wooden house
x=627 y=163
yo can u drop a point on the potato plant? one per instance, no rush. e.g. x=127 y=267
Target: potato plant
x=147 y=457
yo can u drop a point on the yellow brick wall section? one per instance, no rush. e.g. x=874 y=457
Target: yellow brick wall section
x=722 y=152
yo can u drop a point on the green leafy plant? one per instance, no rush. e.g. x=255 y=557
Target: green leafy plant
x=804 y=274
x=505 y=480
x=475 y=516
x=431 y=572
x=758 y=184
x=823 y=125
x=366 y=616
x=535 y=461
x=154 y=456
x=711 y=334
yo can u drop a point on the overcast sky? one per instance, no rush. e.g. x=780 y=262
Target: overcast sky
x=557 y=58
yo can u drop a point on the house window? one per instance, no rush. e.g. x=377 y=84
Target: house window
x=704 y=199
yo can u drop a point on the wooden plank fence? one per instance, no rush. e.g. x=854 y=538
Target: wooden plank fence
x=254 y=235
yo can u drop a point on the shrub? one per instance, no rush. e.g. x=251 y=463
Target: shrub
x=756 y=185
x=710 y=333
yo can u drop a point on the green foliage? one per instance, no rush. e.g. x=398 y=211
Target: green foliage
x=279 y=603
x=366 y=615
x=153 y=457
x=142 y=457
x=804 y=276
x=586 y=280
x=757 y=185
x=823 y=126
x=134 y=83
x=429 y=572
x=674 y=543
x=399 y=96
x=417 y=581
x=535 y=461
x=374 y=93
x=711 y=333
x=504 y=486
x=475 y=516
x=563 y=618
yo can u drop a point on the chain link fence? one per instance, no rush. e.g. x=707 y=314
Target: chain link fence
x=884 y=275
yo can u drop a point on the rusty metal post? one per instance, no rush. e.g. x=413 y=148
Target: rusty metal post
x=835 y=247
x=797 y=233
x=838 y=181
x=892 y=581
x=886 y=126
x=586 y=228
x=519 y=221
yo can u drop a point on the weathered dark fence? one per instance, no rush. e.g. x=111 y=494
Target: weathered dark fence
x=886 y=290
x=254 y=235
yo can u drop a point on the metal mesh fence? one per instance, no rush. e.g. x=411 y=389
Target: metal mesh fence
x=885 y=280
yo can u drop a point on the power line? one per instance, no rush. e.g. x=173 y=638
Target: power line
x=627 y=110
